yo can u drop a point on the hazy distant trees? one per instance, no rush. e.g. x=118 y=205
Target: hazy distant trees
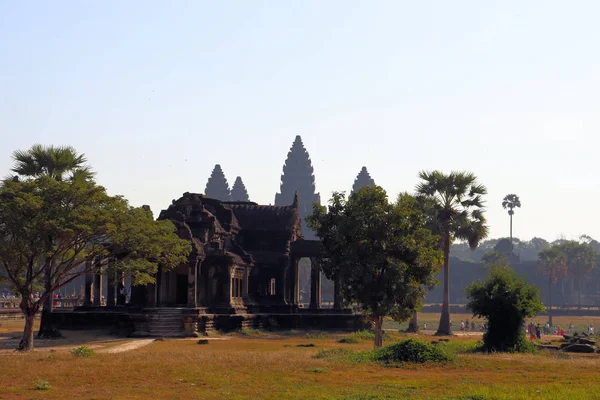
x=510 y=202
x=457 y=207
x=553 y=264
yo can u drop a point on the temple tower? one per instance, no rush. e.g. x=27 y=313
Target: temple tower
x=217 y=186
x=238 y=191
x=362 y=179
x=298 y=177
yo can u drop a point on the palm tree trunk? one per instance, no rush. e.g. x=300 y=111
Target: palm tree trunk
x=444 y=327
x=413 y=325
x=511 y=229
x=549 y=308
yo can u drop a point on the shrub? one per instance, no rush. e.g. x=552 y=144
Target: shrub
x=369 y=335
x=350 y=339
x=82 y=351
x=505 y=301
x=249 y=332
x=411 y=350
x=41 y=384
x=306 y=345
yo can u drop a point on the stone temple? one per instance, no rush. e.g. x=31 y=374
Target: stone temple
x=243 y=271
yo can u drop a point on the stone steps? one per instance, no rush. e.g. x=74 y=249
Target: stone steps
x=166 y=323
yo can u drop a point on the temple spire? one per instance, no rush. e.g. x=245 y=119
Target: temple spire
x=298 y=178
x=238 y=191
x=217 y=186
x=362 y=179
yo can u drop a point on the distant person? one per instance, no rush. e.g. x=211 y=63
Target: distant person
x=472 y=326
x=571 y=328
x=538 y=331
x=462 y=325
x=467 y=325
x=424 y=325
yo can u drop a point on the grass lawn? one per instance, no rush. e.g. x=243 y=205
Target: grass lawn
x=273 y=366
x=580 y=322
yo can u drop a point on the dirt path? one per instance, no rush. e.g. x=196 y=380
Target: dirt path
x=132 y=345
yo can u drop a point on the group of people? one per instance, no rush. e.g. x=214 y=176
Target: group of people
x=536 y=331
x=465 y=327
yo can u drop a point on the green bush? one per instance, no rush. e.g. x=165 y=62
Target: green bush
x=369 y=335
x=82 y=351
x=41 y=384
x=350 y=339
x=505 y=301
x=411 y=350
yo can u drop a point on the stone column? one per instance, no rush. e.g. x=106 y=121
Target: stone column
x=120 y=285
x=158 y=287
x=110 y=289
x=192 y=288
x=296 y=273
x=337 y=295
x=315 y=284
x=245 y=283
x=87 y=290
x=98 y=288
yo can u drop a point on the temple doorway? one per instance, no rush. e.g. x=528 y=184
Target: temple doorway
x=182 y=289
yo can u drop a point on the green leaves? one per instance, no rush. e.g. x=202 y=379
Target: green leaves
x=456 y=202
x=505 y=301
x=73 y=227
x=383 y=255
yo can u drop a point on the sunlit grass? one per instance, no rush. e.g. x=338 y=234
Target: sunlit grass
x=275 y=367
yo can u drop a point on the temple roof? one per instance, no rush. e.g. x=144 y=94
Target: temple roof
x=362 y=179
x=238 y=191
x=252 y=216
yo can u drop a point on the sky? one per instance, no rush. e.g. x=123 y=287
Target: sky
x=156 y=93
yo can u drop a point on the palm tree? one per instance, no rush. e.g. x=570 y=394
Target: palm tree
x=60 y=163
x=511 y=201
x=457 y=213
x=552 y=262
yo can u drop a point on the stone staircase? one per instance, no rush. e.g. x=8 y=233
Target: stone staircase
x=166 y=322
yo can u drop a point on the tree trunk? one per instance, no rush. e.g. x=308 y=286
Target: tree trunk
x=47 y=328
x=26 y=342
x=378 y=331
x=510 y=228
x=444 y=327
x=550 y=302
x=413 y=325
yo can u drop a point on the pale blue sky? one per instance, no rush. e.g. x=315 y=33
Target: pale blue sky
x=155 y=93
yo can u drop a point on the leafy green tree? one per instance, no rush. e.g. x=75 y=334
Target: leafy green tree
x=581 y=259
x=510 y=202
x=456 y=212
x=381 y=253
x=493 y=259
x=71 y=228
x=59 y=163
x=505 y=301
x=552 y=263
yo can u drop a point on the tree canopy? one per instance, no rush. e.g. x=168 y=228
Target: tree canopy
x=70 y=228
x=381 y=253
x=505 y=301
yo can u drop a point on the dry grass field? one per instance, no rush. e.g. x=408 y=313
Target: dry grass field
x=272 y=366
